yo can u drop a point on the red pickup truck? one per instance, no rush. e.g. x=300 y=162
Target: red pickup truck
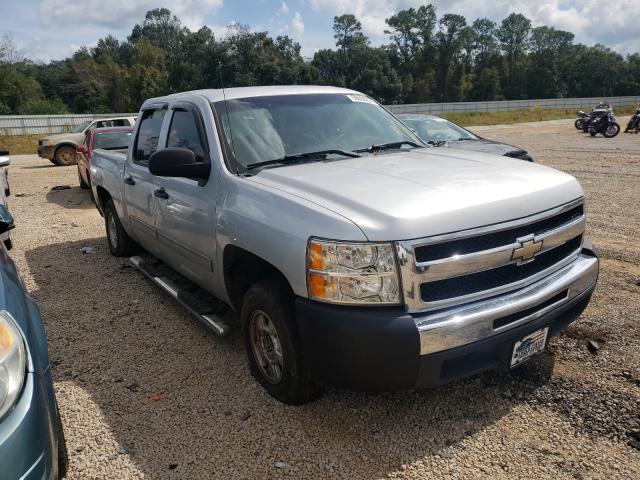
x=108 y=138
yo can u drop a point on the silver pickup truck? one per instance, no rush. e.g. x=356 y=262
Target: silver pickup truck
x=350 y=253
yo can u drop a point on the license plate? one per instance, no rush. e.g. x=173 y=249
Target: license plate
x=530 y=345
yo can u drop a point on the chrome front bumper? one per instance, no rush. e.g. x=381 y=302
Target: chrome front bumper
x=455 y=327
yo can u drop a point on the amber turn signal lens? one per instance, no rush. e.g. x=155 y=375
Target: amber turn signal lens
x=316 y=258
x=317 y=286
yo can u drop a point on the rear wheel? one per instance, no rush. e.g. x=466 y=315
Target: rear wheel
x=578 y=124
x=272 y=343
x=120 y=243
x=65 y=156
x=593 y=133
x=612 y=130
x=84 y=185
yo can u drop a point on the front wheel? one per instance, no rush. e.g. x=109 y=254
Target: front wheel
x=272 y=343
x=65 y=156
x=592 y=132
x=612 y=130
x=578 y=124
x=120 y=243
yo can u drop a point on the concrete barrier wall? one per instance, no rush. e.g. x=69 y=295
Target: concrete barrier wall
x=43 y=124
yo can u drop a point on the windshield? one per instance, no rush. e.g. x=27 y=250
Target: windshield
x=82 y=126
x=438 y=130
x=262 y=129
x=112 y=140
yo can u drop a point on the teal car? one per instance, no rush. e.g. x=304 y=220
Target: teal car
x=32 y=444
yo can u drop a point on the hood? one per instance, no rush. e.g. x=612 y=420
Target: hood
x=485 y=146
x=405 y=195
x=64 y=137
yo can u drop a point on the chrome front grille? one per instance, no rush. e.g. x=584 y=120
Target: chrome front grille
x=438 y=272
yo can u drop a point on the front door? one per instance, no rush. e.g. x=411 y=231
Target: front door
x=185 y=212
x=138 y=182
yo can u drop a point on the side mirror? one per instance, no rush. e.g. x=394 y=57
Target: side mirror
x=81 y=149
x=178 y=162
x=6 y=220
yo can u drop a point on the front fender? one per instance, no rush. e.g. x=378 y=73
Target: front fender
x=274 y=225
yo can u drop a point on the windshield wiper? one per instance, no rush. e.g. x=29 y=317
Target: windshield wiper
x=302 y=156
x=388 y=146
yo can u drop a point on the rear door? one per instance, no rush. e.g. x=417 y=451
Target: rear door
x=185 y=219
x=138 y=182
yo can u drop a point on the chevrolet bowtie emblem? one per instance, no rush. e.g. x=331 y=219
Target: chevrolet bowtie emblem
x=526 y=251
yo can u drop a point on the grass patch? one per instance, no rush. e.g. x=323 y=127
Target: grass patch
x=20 y=144
x=535 y=114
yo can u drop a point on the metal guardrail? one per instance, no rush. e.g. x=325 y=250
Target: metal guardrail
x=44 y=124
x=511 y=105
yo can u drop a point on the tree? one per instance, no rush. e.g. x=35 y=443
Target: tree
x=348 y=33
x=449 y=45
x=513 y=34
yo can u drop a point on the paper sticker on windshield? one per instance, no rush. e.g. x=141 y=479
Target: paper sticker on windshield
x=361 y=98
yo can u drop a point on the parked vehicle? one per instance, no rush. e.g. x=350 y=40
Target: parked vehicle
x=633 y=125
x=32 y=441
x=582 y=116
x=350 y=252
x=107 y=138
x=438 y=132
x=606 y=125
x=5 y=191
x=597 y=112
x=60 y=149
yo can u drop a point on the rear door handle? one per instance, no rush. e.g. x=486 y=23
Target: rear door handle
x=161 y=193
x=129 y=181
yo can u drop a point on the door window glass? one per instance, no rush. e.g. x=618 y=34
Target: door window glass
x=184 y=133
x=148 y=134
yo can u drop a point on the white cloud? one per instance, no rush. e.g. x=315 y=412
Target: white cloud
x=122 y=14
x=615 y=26
x=283 y=10
x=297 y=25
x=295 y=28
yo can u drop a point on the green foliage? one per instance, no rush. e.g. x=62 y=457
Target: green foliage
x=427 y=59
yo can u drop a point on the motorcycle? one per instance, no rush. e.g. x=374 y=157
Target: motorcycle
x=581 y=118
x=634 y=122
x=606 y=125
x=598 y=111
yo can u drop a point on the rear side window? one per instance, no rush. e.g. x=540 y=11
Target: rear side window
x=148 y=134
x=184 y=133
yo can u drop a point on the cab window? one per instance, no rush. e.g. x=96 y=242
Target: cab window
x=148 y=134
x=184 y=133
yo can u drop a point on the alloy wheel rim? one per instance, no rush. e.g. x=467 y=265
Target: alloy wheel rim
x=266 y=346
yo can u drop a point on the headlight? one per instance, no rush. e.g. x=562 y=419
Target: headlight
x=352 y=273
x=12 y=362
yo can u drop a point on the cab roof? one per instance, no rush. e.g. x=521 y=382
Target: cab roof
x=215 y=95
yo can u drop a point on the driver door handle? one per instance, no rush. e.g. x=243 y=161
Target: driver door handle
x=161 y=193
x=129 y=181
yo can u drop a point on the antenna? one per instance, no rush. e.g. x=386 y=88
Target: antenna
x=226 y=107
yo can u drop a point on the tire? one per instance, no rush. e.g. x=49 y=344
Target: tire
x=612 y=130
x=54 y=161
x=593 y=133
x=63 y=455
x=119 y=242
x=65 y=156
x=269 y=330
x=83 y=185
x=578 y=124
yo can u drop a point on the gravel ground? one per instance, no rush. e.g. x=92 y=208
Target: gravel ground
x=145 y=391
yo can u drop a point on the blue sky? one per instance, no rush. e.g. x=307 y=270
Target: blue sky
x=53 y=29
